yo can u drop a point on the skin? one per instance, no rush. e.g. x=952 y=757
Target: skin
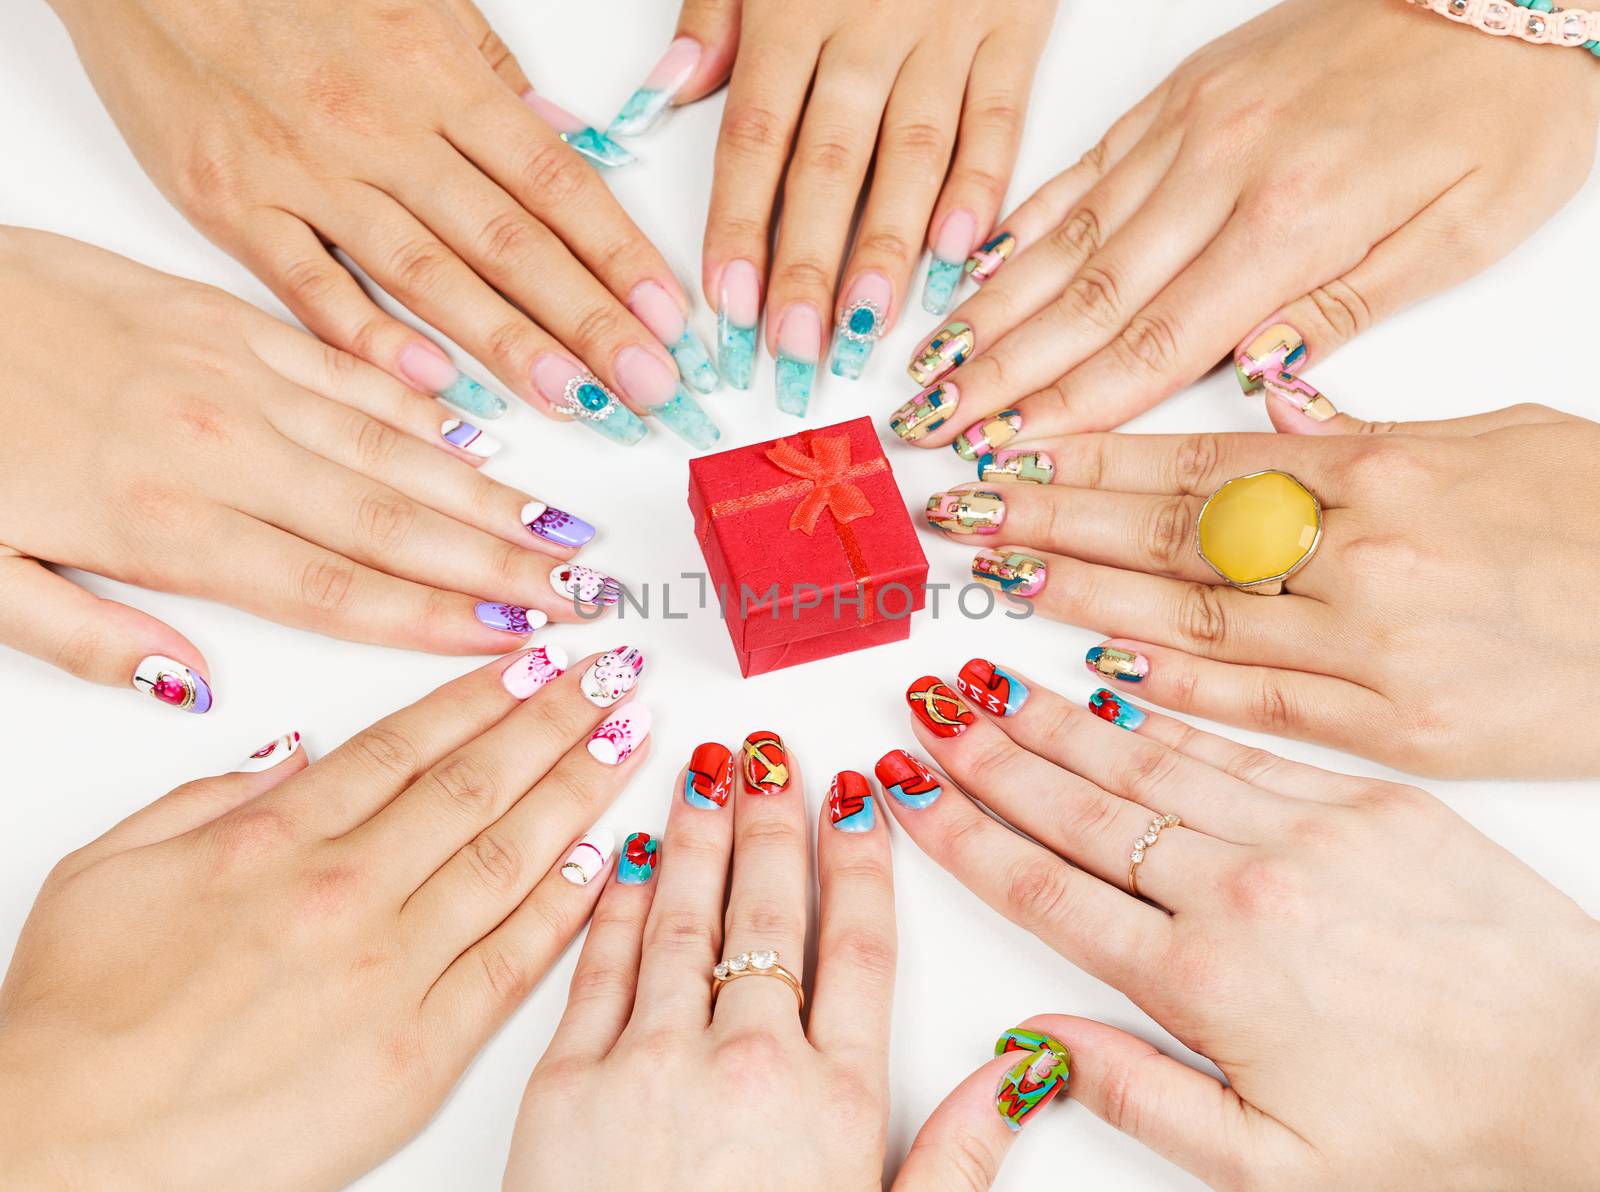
x=1396 y=1001
x=154 y=1025
x=1302 y=163
x=234 y=458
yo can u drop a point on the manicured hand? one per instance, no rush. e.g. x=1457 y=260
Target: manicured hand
x=405 y=135
x=168 y=435
x=653 y=1080
x=1396 y=1002
x=272 y=978
x=1328 y=159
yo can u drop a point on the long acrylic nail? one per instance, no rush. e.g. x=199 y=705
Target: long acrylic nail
x=908 y=781
x=861 y=324
x=850 y=802
x=799 y=350
x=994 y=689
x=686 y=418
x=530 y=671
x=925 y=413
x=1113 y=662
x=620 y=734
x=1036 y=1079
x=510 y=618
x=652 y=385
x=469 y=438
x=1273 y=347
x=944 y=353
x=1108 y=705
x=555 y=525
x=738 y=311
x=172 y=683
x=1299 y=395
x=573 y=391
x=1012 y=572
x=585 y=138
x=982 y=437
x=584 y=585
x=653 y=306
x=636 y=864
x=766 y=763
x=1027 y=467
x=939 y=708
x=279 y=750
x=649 y=103
x=967 y=511
x=987 y=258
x=709 y=778
x=589 y=856
x=430 y=370
x=950 y=249
x=611 y=676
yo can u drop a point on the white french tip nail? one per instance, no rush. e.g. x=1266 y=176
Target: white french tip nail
x=589 y=856
x=279 y=750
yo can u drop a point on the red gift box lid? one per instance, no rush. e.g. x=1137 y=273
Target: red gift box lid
x=746 y=508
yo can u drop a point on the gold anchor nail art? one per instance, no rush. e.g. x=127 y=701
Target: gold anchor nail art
x=938 y=707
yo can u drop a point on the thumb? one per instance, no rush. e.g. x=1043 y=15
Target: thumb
x=1289 y=419
x=698 y=61
x=56 y=621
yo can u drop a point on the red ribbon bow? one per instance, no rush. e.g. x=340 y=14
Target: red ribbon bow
x=829 y=474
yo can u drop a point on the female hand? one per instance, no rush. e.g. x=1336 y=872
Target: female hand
x=1394 y=1000
x=931 y=94
x=271 y=979
x=406 y=135
x=721 y=1090
x=177 y=438
x=1327 y=160
x=1392 y=642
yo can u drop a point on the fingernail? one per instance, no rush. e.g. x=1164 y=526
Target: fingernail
x=950 y=249
x=430 y=370
x=1012 y=572
x=981 y=437
x=1108 y=705
x=1113 y=662
x=924 y=413
x=766 y=763
x=653 y=306
x=967 y=511
x=850 y=802
x=710 y=776
x=1021 y=1038
x=686 y=418
x=1028 y=467
x=585 y=138
x=531 y=671
x=1271 y=348
x=649 y=103
x=987 y=258
x=510 y=618
x=1036 y=1079
x=997 y=691
x=269 y=755
x=619 y=734
x=577 y=393
x=939 y=708
x=944 y=353
x=636 y=864
x=1299 y=395
x=469 y=438
x=588 y=858
x=555 y=525
x=611 y=676
x=584 y=585
x=908 y=781
x=172 y=683
x=651 y=384
x=799 y=350
x=862 y=324
x=738 y=310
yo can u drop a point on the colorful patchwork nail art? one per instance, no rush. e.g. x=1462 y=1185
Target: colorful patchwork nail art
x=616 y=738
x=1299 y=395
x=588 y=857
x=709 y=778
x=1012 y=572
x=1026 y=467
x=1035 y=1080
x=172 y=683
x=995 y=690
x=281 y=749
x=687 y=418
x=850 y=802
x=766 y=763
x=990 y=255
x=738 y=312
x=430 y=370
x=925 y=413
x=469 y=438
x=585 y=138
x=534 y=669
x=967 y=511
x=1272 y=348
x=992 y=433
x=636 y=864
x=650 y=102
x=950 y=249
x=1112 y=662
x=611 y=676
x=944 y=353
x=1108 y=705
x=939 y=708
x=799 y=349
x=584 y=585
x=861 y=324
x=591 y=404
x=556 y=525
x=510 y=618
x=908 y=781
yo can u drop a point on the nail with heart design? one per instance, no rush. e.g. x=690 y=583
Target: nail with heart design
x=940 y=709
x=611 y=676
x=908 y=781
x=588 y=857
x=620 y=734
x=1113 y=662
x=709 y=778
x=636 y=864
x=468 y=438
x=996 y=690
x=925 y=413
x=533 y=669
x=584 y=585
x=510 y=618
x=1025 y=467
x=1110 y=706
x=555 y=525
x=173 y=684
x=850 y=802
x=280 y=749
x=990 y=434
x=967 y=511
x=766 y=763
x=944 y=353
x=1012 y=572
x=986 y=260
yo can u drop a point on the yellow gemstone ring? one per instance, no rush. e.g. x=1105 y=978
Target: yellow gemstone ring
x=1258 y=530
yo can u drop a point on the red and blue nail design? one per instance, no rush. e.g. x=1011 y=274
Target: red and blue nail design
x=636 y=863
x=908 y=781
x=1108 y=705
x=850 y=802
x=1040 y=1074
x=940 y=709
x=709 y=779
x=766 y=763
x=996 y=690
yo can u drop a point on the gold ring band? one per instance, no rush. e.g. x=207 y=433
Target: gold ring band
x=1144 y=844
x=760 y=963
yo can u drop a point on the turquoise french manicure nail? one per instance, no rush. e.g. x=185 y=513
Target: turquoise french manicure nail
x=586 y=139
x=950 y=249
x=939 y=290
x=684 y=417
x=1110 y=706
x=799 y=349
x=861 y=324
x=658 y=310
x=430 y=370
x=466 y=394
x=738 y=310
x=649 y=103
x=694 y=363
x=577 y=393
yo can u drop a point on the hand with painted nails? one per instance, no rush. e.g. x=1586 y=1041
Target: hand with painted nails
x=1306 y=164
x=693 y=1032
x=1415 y=574
x=177 y=438
x=407 y=136
x=930 y=93
x=1386 y=990
x=257 y=955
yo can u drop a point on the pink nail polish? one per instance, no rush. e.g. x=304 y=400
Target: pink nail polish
x=657 y=310
x=654 y=96
x=532 y=670
x=569 y=389
x=644 y=378
x=956 y=236
x=426 y=367
x=738 y=311
x=620 y=734
x=799 y=350
x=862 y=323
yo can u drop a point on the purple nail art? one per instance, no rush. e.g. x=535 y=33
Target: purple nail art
x=510 y=618
x=556 y=525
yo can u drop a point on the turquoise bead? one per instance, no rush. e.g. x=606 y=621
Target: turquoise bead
x=862 y=320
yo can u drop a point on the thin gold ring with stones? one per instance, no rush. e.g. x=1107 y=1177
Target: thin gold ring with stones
x=760 y=963
x=1144 y=844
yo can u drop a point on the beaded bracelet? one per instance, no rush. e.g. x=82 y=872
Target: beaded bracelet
x=1536 y=21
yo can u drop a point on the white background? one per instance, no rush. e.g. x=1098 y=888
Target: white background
x=75 y=758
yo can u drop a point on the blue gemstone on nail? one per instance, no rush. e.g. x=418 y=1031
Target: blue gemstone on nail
x=862 y=320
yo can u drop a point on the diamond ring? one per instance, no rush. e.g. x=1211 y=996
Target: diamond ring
x=761 y=963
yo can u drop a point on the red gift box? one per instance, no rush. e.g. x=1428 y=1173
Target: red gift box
x=808 y=544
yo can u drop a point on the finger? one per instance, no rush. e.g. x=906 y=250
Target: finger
x=695 y=63
x=495 y=52
x=1287 y=410
x=962 y=1144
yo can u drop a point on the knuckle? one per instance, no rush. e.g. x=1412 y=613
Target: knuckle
x=751 y=128
x=507 y=565
x=1037 y=894
x=1147 y=345
x=1274 y=706
x=496 y=861
x=510 y=342
x=1097 y=160
x=770 y=918
x=552 y=173
x=563 y=794
x=1124 y=1102
x=369 y=333
x=1252 y=765
x=1257 y=888
x=1342 y=308
x=309 y=281
x=681 y=931
x=509 y=237
x=375 y=444
x=327 y=892
x=868 y=951
x=770 y=834
x=1200 y=618
x=419 y=266
x=495 y=52
x=388 y=753
x=200 y=419
x=1079 y=237
x=886 y=243
x=465 y=782
x=1195 y=464
x=82 y=650
x=977 y=179
x=923 y=142
x=1147 y=771
x=830 y=155
x=806 y=277
x=1093 y=295
x=752 y=1062
x=509 y=979
x=327 y=584
x=601 y=980
x=1167 y=533
x=248 y=834
x=385 y=518
x=997 y=115
x=1089 y=815
x=598 y=326
x=1282 y=204
x=339 y=366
